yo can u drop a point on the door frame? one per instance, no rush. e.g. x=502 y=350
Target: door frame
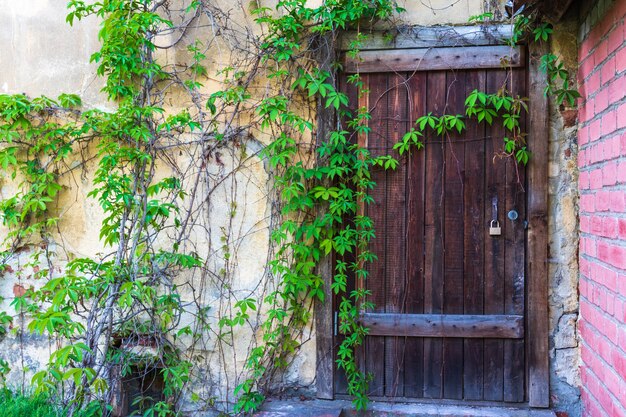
x=537 y=326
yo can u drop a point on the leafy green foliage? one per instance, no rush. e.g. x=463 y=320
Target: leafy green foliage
x=489 y=107
x=481 y=17
x=129 y=295
x=35 y=148
x=542 y=31
x=18 y=405
x=560 y=83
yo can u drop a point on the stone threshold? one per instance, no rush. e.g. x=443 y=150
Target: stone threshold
x=341 y=408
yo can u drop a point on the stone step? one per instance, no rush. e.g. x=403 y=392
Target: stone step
x=321 y=408
x=378 y=409
x=307 y=408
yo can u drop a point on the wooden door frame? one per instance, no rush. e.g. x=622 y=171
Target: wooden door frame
x=537 y=353
x=538 y=384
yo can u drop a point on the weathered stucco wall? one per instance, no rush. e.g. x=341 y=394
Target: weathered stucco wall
x=231 y=232
x=563 y=226
x=41 y=54
x=46 y=56
x=441 y=12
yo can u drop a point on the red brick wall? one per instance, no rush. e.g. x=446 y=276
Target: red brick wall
x=602 y=184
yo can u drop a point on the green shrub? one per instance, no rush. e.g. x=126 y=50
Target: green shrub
x=19 y=405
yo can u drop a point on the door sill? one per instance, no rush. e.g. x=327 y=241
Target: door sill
x=432 y=409
x=344 y=408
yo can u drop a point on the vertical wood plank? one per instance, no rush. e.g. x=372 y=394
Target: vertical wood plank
x=395 y=229
x=453 y=236
x=341 y=383
x=414 y=358
x=515 y=260
x=538 y=366
x=377 y=139
x=433 y=288
x=474 y=224
x=324 y=316
x=494 y=246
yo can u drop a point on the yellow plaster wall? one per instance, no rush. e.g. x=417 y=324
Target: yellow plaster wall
x=41 y=54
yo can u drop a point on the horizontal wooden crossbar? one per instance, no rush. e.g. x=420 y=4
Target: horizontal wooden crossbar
x=428 y=59
x=444 y=325
x=428 y=37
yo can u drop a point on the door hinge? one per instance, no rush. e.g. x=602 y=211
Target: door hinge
x=335 y=322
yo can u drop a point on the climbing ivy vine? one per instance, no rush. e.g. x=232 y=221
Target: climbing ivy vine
x=105 y=312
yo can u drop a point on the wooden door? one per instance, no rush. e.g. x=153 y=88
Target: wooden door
x=449 y=315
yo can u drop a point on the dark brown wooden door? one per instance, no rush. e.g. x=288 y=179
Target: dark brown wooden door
x=449 y=315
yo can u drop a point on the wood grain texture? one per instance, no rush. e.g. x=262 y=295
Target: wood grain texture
x=433 y=235
x=431 y=36
x=474 y=251
x=454 y=236
x=538 y=365
x=414 y=357
x=376 y=282
x=397 y=108
x=514 y=288
x=495 y=177
x=429 y=59
x=444 y=325
x=449 y=318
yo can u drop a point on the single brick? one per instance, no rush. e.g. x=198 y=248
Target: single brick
x=592 y=84
x=618 y=360
x=598 y=153
x=595 y=179
x=617 y=257
x=607 y=71
x=609 y=122
x=595 y=130
x=597 y=226
x=603 y=250
x=601 y=100
x=609 y=227
x=590 y=247
x=586 y=67
x=617 y=89
x=617 y=201
x=613 y=147
x=609 y=173
x=603 y=200
x=583 y=180
x=616 y=37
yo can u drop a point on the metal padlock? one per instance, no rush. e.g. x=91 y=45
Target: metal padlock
x=494 y=228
